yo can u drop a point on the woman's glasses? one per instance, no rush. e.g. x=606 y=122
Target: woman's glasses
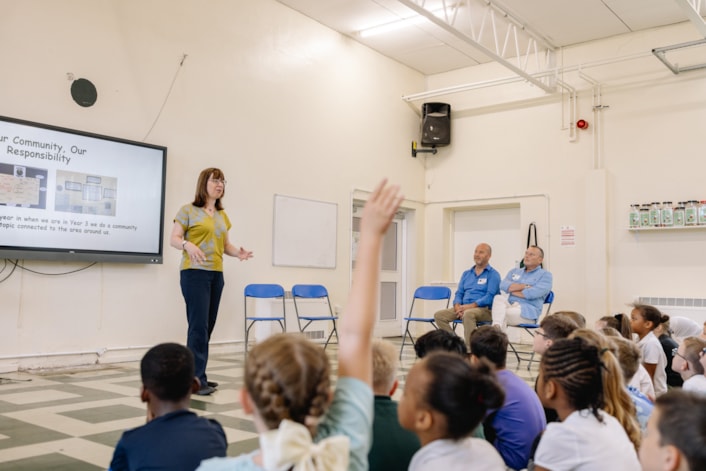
x=217 y=181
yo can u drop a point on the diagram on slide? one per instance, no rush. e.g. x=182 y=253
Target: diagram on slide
x=23 y=186
x=85 y=193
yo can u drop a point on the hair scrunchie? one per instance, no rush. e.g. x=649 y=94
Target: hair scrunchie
x=291 y=445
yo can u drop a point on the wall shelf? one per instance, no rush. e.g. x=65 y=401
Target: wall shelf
x=670 y=228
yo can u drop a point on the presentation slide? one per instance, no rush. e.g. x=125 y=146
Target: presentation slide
x=63 y=190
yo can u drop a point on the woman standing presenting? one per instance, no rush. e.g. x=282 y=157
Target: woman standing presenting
x=201 y=233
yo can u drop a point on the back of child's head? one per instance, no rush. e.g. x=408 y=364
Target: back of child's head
x=558 y=326
x=620 y=322
x=575 y=364
x=439 y=340
x=682 y=424
x=578 y=318
x=460 y=392
x=651 y=314
x=167 y=371
x=385 y=366
x=288 y=377
x=693 y=348
x=490 y=343
x=616 y=400
x=629 y=356
x=610 y=332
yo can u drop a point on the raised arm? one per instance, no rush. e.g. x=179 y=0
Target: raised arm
x=356 y=325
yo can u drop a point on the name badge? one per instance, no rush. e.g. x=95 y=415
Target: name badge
x=482 y=281
x=515 y=277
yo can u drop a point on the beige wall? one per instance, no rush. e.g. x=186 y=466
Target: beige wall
x=280 y=103
x=284 y=105
x=646 y=146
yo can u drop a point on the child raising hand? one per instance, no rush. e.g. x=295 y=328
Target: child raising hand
x=287 y=378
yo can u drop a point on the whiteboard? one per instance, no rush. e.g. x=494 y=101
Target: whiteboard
x=304 y=233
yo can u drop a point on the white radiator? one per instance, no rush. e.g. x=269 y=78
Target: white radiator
x=693 y=308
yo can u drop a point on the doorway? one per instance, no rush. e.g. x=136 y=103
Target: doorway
x=393 y=265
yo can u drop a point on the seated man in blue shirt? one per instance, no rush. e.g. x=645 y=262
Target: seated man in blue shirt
x=174 y=438
x=474 y=295
x=524 y=291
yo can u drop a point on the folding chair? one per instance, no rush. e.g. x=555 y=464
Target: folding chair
x=529 y=328
x=313 y=292
x=263 y=291
x=426 y=293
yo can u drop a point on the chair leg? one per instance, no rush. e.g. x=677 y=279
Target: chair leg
x=333 y=331
x=331 y=335
x=404 y=338
x=247 y=332
x=517 y=355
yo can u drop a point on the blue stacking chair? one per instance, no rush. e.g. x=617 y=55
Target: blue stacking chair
x=529 y=328
x=313 y=292
x=263 y=291
x=427 y=293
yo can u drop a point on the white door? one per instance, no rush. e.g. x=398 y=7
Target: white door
x=391 y=306
x=498 y=227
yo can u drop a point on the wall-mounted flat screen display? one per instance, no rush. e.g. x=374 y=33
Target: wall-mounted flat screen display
x=73 y=195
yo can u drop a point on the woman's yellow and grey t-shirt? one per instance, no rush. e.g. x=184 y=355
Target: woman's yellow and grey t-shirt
x=207 y=232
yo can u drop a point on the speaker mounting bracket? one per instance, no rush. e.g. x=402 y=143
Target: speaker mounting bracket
x=416 y=151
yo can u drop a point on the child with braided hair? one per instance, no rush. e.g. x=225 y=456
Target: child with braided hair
x=287 y=378
x=444 y=399
x=587 y=438
x=616 y=398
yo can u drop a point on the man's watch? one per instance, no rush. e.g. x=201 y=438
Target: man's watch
x=183 y=244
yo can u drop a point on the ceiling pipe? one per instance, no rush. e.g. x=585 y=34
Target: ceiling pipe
x=514 y=79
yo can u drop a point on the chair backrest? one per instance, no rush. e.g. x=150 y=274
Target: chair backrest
x=264 y=291
x=309 y=291
x=432 y=292
x=549 y=300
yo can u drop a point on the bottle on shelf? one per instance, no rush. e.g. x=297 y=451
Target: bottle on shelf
x=667 y=214
x=679 y=215
x=645 y=215
x=691 y=216
x=655 y=214
x=634 y=215
x=702 y=213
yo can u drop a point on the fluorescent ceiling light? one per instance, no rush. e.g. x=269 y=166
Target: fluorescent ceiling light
x=392 y=26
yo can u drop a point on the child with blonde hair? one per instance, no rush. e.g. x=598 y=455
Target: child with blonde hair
x=392 y=446
x=686 y=363
x=287 y=378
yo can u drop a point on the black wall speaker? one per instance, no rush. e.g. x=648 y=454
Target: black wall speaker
x=436 y=124
x=84 y=92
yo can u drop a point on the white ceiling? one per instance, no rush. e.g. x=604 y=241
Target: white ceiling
x=430 y=49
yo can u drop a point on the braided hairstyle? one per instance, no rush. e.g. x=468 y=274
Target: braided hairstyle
x=575 y=366
x=461 y=392
x=288 y=377
x=616 y=399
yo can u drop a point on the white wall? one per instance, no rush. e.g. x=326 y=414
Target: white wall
x=284 y=105
x=280 y=103
x=647 y=146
